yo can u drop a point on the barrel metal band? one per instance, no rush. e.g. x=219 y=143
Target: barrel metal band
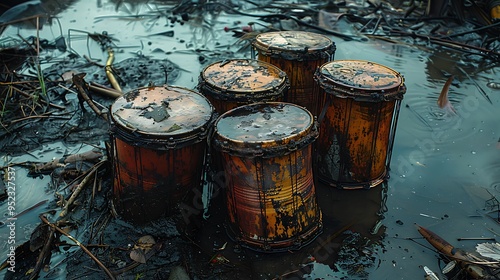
x=298 y=55
x=368 y=96
x=271 y=94
x=254 y=150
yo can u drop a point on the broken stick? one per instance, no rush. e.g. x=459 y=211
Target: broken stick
x=91 y=156
x=94 y=258
x=82 y=87
x=82 y=184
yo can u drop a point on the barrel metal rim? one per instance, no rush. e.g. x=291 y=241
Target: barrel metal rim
x=134 y=125
x=271 y=92
x=308 y=45
x=351 y=79
x=178 y=137
x=266 y=148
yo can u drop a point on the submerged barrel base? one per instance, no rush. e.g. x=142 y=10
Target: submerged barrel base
x=151 y=184
x=354 y=185
x=265 y=152
x=276 y=246
x=158 y=149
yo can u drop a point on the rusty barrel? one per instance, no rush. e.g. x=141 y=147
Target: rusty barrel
x=357 y=122
x=494 y=7
x=232 y=83
x=266 y=155
x=299 y=54
x=158 y=140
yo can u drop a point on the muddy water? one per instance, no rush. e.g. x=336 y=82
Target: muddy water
x=442 y=164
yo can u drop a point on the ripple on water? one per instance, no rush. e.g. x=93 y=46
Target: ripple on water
x=464 y=95
x=441 y=125
x=493 y=170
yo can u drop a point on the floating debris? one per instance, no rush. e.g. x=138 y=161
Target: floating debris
x=443 y=101
x=429 y=216
x=493 y=85
x=449 y=267
x=430 y=275
x=475 y=238
x=141 y=248
x=474 y=265
x=489 y=250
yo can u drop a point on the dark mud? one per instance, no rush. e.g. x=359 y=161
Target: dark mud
x=75 y=125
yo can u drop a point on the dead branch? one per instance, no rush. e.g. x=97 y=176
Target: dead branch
x=109 y=92
x=82 y=87
x=91 y=156
x=94 y=258
x=41 y=116
x=82 y=184
x=41 y=100
x=43 y=254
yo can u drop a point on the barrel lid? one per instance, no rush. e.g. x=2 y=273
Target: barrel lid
x=244 y=75
x=264 y=122
x=293 y=41
x=161 y=111
x=359 y=74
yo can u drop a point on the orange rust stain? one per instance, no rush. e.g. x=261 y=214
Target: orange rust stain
x=303 y=89
x=149 y=183
x=271 y=200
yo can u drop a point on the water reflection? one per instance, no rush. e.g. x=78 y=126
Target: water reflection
x=33 y=14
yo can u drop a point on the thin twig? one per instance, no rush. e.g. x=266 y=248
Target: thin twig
x=82 y=87
x=99 y=263
x=473 y=30
x=41 y=100
x=17 y=83
x=447 y=43
x=476 y=84
x=41 y=116
x=80 y=187
x=43 y=254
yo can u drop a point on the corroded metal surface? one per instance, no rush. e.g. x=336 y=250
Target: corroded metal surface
x=362 y=80
x=158 y=146
x=232 y=83
x=299 y=54
x=266 y=156
x=294 y=45
x=360 y=116
x=161 y=111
